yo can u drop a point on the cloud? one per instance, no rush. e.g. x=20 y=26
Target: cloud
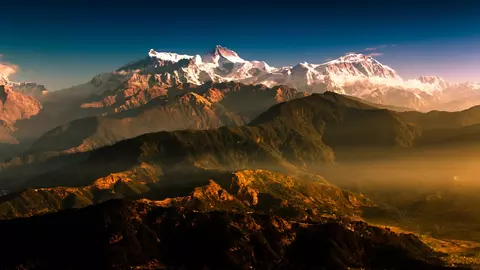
x=383 y=46
x=375 y=54
x=7 y=69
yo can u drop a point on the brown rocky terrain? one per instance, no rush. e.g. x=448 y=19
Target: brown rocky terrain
x=301 y=197
x=14 y=106
x=140 y=235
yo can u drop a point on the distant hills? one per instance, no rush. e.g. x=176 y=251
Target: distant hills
x=295 y=134
x=203 y=107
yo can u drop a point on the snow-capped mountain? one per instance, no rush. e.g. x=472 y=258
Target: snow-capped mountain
x=222 y=64
x=359 y=65
x=29 y=89
x=352 y=74
x=15 y=106
x=26 y=88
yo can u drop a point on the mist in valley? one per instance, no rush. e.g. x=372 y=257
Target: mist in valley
x=431 y=191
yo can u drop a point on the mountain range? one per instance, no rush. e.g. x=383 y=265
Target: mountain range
x=219 y=160
x=138 y=82
x=353 y=74
x=298 y=134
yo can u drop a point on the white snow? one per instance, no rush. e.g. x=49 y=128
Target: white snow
x=165 y=56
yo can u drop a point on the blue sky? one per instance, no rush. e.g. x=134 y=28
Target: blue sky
x=61 y=46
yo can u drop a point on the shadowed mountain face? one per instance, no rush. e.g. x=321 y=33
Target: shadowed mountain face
x=207 y=106
x=119 y=235
x=443 y=120
x=6 y=130
x=447 y=128
x=189 y=111
x=300 y=134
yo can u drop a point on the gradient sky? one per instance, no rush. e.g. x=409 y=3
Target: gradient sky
x=60 y=46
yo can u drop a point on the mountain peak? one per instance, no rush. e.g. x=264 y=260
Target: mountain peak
x=357 y=64
x=354 y=57
x=222 y=52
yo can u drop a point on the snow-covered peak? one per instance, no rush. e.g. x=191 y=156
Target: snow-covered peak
x=166 y=56
x=352 y=58
x=221 y=52
x=474 y=86
x=359 y=65
x=437 y=82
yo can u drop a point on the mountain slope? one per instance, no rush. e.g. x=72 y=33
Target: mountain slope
x=6 y=130
x=289 y=136
x=197 y=107
x=442 y=119
x=189 y=111
x=462 y=136
x=15 y=106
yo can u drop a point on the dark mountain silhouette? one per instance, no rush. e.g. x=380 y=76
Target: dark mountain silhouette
x=120 y=235
x=292 y=135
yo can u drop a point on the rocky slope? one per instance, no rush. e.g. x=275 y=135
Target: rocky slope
x=121 y=235
x=37 y=91
x=14 y=106
x=304 y=196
